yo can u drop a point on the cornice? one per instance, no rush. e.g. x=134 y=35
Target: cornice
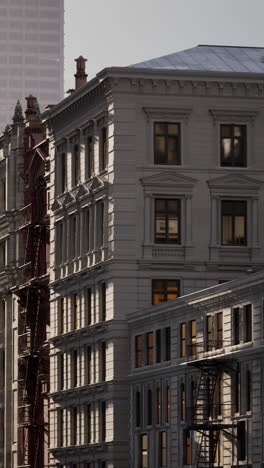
x=233 y=115
x=165 y=113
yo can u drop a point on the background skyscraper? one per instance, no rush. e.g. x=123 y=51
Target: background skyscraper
x=31 y=53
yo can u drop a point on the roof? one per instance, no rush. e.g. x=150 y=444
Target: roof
x=210 y=58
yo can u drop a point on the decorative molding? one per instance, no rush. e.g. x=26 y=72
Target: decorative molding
x=56 y=205
x=98 y=183
x=233 y=182
x=82 y=192
x=167 y=180
x=233 y=115
x=69 y=198
x=167 y=113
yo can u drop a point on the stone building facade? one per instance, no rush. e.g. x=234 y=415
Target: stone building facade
x=213 y=337
x=156 y=175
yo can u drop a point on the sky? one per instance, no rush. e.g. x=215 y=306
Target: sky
x=124 y=32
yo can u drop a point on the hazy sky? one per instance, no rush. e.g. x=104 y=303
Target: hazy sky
x=123 y=32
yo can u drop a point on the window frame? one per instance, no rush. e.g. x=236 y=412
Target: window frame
x=233 y=217
x=166 y=215
x=232 y=138
x=167 y=136
x=165 y=292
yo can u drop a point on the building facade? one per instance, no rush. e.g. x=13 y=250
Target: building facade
x=24 y=292
x=31 y=53
x=196 y=379
x=156 y=176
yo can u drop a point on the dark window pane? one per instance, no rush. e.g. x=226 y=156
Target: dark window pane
x=167 y=143
x=233 y=145
x=234 y=222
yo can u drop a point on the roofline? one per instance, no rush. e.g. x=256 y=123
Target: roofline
x=229 y=46
x=199 y=296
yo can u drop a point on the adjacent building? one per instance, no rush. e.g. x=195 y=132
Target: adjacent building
x=196 y=379
x=31 y=53
x=156 y=191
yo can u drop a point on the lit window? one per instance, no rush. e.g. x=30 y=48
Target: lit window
x=150 y=348
x=163 y=449
x=209 y=332
x=234 y=222
x=165 y=290
x=193 y=337
x=219 y=330
x=158 y=345
x=167 y=221
x=183 y=333
x=233 y=145
x=143 y=452
x=139 y=350
x=167 y=143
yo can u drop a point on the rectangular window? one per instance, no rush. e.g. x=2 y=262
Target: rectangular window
x=62 y=315
x=138 y=409
x=163 y=449
x=167 y=344
x=236 y=391
x=158 y=345
x=234 y=222
x=187 y=454
x=209 y=332
x=88 y=424
x=73 y=225
x=248 y=322
x=139 y=350
x=58 y=244
x=164 y=290
x=89 y=157
x=100 y=224
x=183 y=336
x=74 y=426
x=89 y=365
x=89 y=306
x=167 y=221
x=167 y=143
x=150 y=348
x=103 y=301
x=219 y=330
x=103 y=361
x=75 y=304
x=158 y=403
x=233 y=145
x=241 y=440
x=143 y=451
x=248 y=390
x=76 y=165
x=60 y=427
x=61 y=370
x=183 y=402
x=103 y=421
x=193 y=337
x=75 y=368
x=103 y=149
x=236 y=325
x=63 y=159
x=168 y=404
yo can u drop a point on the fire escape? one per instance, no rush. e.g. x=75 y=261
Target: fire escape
x=204 y=415
x=33 y=355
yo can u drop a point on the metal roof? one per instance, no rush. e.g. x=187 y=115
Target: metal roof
x=210 y=58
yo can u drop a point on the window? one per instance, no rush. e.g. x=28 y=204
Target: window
x=76 y=165
x=89 y=365
x=63 y=160
x=139 y=350
x=167 y=143
x=248 y=322
x=103 y=152
x=89 y=306
x=149 y=407
x=236 y=325
x=167 y=221
x=75 y=300
x=193 y=337
x=218 y=398
x=168 y=404
x=61 y=370
x=74 y=426
x=209 y=332
x=187 y=454
x=158 y=407
x=103 y=301
x=234 y=222
x=193 y=398
x=167 y=344
x=248 y=390
x=73 y=225
x=100 y=224
x=164 y=290
x=241 y=440
x=88 y=424
x=236 y=391
x=89 y=156
x=183 y=402
x=103 y=421
x=138 y=409
x=219 y=330
x=143 y=451
x=163 y=449
x=233 y=145
x=103 y=361
x=150 y=348
x=183 y=333
x=74 y=368
x=158 y=345
x=62 y=314
x=60 y=427
x=58 y=244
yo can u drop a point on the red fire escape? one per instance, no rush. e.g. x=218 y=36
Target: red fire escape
x=33 y=297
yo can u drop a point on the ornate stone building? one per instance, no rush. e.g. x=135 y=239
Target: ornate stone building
x=156 y=175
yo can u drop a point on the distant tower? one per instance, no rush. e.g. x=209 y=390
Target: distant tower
x=31 y=53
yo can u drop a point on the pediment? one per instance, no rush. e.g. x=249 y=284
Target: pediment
x=56 y=206
x=82 y=191
x=169 y=179
x=235 y=181
x=97 y=184
x=69 y=198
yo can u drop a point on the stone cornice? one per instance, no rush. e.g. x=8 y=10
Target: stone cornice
x=233 y=115
x=167 y=113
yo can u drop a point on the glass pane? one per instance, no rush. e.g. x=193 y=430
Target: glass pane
x=158 y=298
x=173 y=229
x=173 y=129
x=173 y=150
x=172 y=296
x=172 y=206
x=160 y=128
x=227 y=230
x=183 y=330
x=226 y=149
x=160 y=205
x=238 y=148
x=238 y=131
x=161 y=229
x=157 y=285
x=172 y=286
x=150 y=339
x=226 y=131
x=160 y=147
x=240 y=230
